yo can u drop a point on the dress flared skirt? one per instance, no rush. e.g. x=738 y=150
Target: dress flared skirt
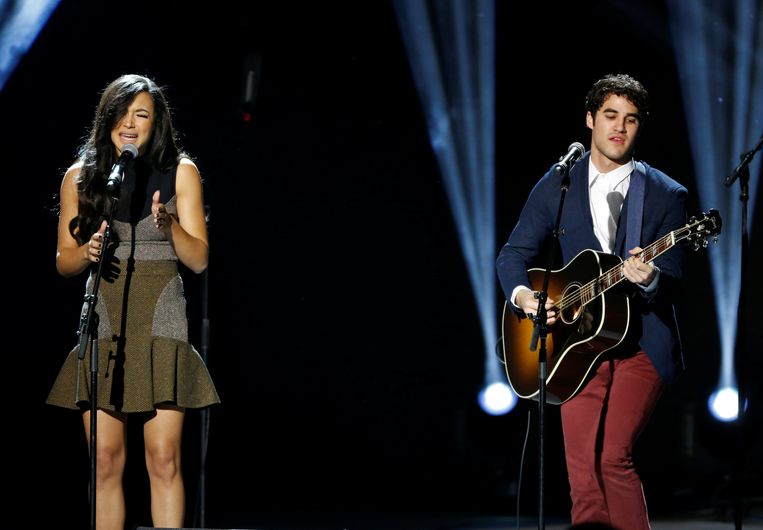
x=144 y=357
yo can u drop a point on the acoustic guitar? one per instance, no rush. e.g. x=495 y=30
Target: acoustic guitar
x=592 y=317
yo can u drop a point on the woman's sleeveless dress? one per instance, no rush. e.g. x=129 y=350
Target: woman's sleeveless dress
x=144 y=357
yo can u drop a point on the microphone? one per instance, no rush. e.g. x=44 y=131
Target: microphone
x=129 y=151
x=566 y=162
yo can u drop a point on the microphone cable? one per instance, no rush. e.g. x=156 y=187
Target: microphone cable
x=521 y=464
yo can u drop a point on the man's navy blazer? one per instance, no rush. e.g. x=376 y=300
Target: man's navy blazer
x=664 y=211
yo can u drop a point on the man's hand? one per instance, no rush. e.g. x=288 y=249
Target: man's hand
x=527 y=302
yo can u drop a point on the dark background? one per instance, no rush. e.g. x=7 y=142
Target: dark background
x=345 y=345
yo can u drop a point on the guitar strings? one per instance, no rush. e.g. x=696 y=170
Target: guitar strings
x=614 y=275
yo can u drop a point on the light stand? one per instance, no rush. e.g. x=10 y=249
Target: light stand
x=742 y=172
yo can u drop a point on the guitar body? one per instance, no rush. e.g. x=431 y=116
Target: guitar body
x=580 y=335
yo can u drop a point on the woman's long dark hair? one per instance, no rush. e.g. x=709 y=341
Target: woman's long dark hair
x=97 y=154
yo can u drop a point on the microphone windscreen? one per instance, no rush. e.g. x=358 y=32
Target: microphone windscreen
x=578 y=146
x=130 y=148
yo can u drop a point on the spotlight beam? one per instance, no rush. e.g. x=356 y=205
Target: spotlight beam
x=719 y=53
x=451 y=50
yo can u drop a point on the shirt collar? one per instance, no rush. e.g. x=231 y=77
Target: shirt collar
x=614 y=177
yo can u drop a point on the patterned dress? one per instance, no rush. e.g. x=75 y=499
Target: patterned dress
x=144 y=357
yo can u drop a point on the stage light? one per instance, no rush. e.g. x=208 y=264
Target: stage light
x=497 y=399
x=451 y=49
x=719 y=54
x=723 y=404
x=20 y=23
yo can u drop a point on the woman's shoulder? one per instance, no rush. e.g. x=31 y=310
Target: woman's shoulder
x=75 y=168
x=72 y=172
x=187 y=170
x=185 y=164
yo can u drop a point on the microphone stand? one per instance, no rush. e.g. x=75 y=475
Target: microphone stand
x=88 y=331
x=540 y=332
x=204 y=413
x=742 y=172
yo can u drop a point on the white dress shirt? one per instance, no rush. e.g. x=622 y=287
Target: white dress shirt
x=606 y=192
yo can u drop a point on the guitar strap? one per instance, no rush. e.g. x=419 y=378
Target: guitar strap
x=635 y=208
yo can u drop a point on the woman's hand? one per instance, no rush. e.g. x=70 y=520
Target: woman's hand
x=162 y=219
x=94 y=247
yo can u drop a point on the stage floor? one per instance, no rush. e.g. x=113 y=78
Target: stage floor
x=444 y=521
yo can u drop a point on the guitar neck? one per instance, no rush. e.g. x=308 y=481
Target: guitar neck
x=615 y=275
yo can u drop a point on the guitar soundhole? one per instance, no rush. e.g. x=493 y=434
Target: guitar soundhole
x=572 y=303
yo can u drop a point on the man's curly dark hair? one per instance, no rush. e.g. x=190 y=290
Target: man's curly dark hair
x=620 y=85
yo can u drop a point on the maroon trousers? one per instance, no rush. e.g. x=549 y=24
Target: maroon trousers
x=600 y=426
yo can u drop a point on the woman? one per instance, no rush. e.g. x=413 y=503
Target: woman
x=146 y=366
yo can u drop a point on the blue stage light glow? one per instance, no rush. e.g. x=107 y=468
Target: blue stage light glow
x=20 y=23
x=497 y=399
x=451 y=49
x=719 y=54
x=723 y=404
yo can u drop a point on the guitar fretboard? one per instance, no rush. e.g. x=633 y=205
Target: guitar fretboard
x=615 y=275
x=693 y=231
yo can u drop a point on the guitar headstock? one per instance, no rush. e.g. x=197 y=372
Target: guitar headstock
x=699 y=229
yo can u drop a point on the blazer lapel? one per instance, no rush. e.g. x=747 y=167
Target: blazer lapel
x=620 y=249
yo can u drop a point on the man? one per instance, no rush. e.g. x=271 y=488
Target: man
x=602 y=421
